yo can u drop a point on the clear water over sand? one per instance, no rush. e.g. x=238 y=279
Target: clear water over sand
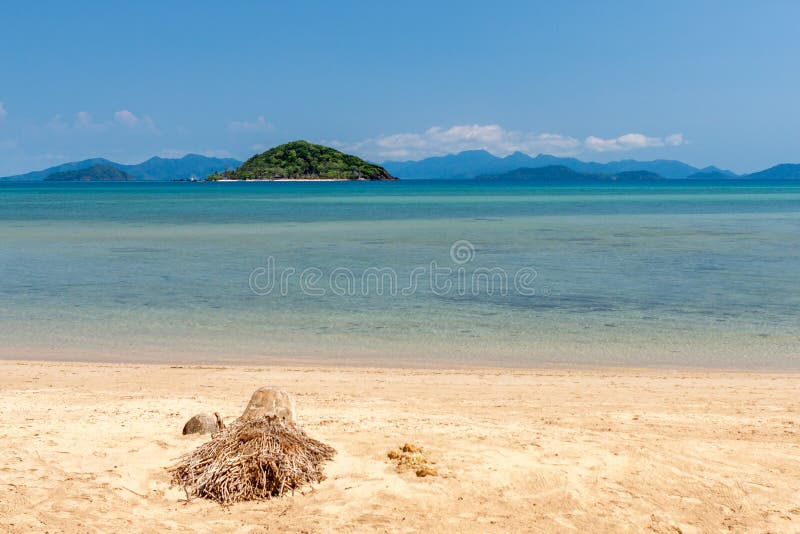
x=678 y=274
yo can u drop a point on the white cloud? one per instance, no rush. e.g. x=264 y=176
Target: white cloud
x=3 y=112
x=126 y=118
x=129 y=120
x=438 y=141
x=83 y=121
x=674 y=140
x=260 y=124
x=83 y=118
x=631 y=141
x=56 y=123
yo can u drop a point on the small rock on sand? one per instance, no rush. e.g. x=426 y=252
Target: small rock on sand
x=201 y=423
x=270 y=401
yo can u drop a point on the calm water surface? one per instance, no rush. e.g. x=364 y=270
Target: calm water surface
x=701 y=274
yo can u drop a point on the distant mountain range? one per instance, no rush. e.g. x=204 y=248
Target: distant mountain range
x=474 y=163
x=784 y=171
x=95 y=173
x=560 y=174
x=464 y=165
x=154 y=169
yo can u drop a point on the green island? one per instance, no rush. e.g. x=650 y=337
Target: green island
x=301 y=160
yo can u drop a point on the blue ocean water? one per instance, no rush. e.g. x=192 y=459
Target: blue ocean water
x=413 y=272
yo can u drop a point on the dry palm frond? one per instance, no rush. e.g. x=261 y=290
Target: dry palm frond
x=252 y=459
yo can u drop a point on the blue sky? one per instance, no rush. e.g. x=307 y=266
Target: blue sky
x=705 y=82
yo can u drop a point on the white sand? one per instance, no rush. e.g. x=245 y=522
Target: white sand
x=85 y=447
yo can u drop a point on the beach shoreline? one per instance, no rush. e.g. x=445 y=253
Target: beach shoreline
x=549 y=449
x=566 y=356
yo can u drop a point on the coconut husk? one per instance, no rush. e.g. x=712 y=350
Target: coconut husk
x=252 y=459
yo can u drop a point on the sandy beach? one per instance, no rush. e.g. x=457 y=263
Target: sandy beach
x=86 y=447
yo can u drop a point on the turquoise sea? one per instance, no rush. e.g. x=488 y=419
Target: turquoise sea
x=407 y=273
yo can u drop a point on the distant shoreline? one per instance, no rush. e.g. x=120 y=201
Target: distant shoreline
x=289 y=180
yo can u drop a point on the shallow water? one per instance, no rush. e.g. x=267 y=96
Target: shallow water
x=699 y=274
